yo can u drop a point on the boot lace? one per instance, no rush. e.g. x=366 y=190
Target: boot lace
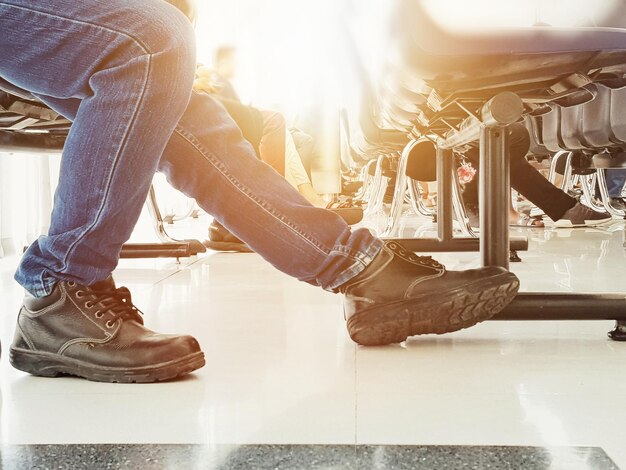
x=427 y=261
x=116 y=304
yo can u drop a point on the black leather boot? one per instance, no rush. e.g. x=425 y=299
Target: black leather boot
x=98 y=334
x=401 y=294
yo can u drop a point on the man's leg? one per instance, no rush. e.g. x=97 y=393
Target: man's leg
x=525 y=178
x=390 y=293
x=615 y=179
x=122 y=70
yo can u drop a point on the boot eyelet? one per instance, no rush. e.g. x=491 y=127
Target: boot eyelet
x=99 y=314
x=79 y=294
x=71 y=284
x=109 y=325
x=88 y=304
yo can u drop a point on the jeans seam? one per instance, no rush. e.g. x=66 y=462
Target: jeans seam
x=205 y=153
x=124 y=142
x=136 y=40
x=107 y=186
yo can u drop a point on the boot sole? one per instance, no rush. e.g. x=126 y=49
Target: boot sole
x=52 y=365
x=458 y=309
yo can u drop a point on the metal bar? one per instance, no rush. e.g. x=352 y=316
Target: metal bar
x=494 y=197
x=14 y=142
x=415 y=193
x=555 y=306
x=553 y=166
x=444 y=195
x=156 y=250
x=566 y=184
x=606 y=197
x=456 y=245
x=459 y=209
x=502 y=110
x=588 y=183
x=157 y=219
x=375 y=187
x=400 y=191
x=169 y=244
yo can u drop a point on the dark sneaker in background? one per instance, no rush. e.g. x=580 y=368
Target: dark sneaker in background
x=582 y=216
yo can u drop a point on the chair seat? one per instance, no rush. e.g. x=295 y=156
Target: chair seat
x=8 y=87
x=456 y=60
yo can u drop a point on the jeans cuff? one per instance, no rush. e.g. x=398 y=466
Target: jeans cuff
x=362 y=260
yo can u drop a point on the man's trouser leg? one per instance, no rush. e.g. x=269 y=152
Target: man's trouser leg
x=125 y=68
x=208 y=160
x=122 y=70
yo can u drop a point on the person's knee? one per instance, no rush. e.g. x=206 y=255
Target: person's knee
x=168 y=37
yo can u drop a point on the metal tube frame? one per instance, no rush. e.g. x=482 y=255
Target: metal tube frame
x=415 y=198
x=553 y=164
x=588 y=183
x=459 y=209
x=169 y=247
x=367 y=178
x=377 y=192
x=606 y=197
x=399 y=194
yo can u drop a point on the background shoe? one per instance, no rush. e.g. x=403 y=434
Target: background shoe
x=618 y=203
x=351 y=213
x=582 y=216
x=220 y=239
x=527 y=221
x=401 y=294
x=97 y=333
x=472 y=214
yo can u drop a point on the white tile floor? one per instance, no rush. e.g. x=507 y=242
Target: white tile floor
x=281 y=368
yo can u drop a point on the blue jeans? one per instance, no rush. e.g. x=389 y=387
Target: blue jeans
x=615 y=179
x=122 y=71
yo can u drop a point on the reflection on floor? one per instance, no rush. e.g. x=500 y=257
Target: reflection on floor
x=306 y=457
x=282 y=370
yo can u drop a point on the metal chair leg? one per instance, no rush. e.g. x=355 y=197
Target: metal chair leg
x=606 y=197
x=373 y=201
x=157 y=219
x=459 y=209
x=553 y=164
x=400 y=191
x=367 y=179
x=588 y=184
x=566 y=184
x=417 y=203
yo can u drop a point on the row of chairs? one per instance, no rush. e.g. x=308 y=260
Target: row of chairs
x=571 y=82
x=444 y=89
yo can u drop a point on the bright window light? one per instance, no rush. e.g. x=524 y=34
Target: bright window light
x=480 y=14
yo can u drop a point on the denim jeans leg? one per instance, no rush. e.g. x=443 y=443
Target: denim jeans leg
x=615 y=179
x=208 y=159
x=125 y=68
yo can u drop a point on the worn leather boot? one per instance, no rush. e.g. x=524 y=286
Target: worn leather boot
x=401 y=294
x=97 y=333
